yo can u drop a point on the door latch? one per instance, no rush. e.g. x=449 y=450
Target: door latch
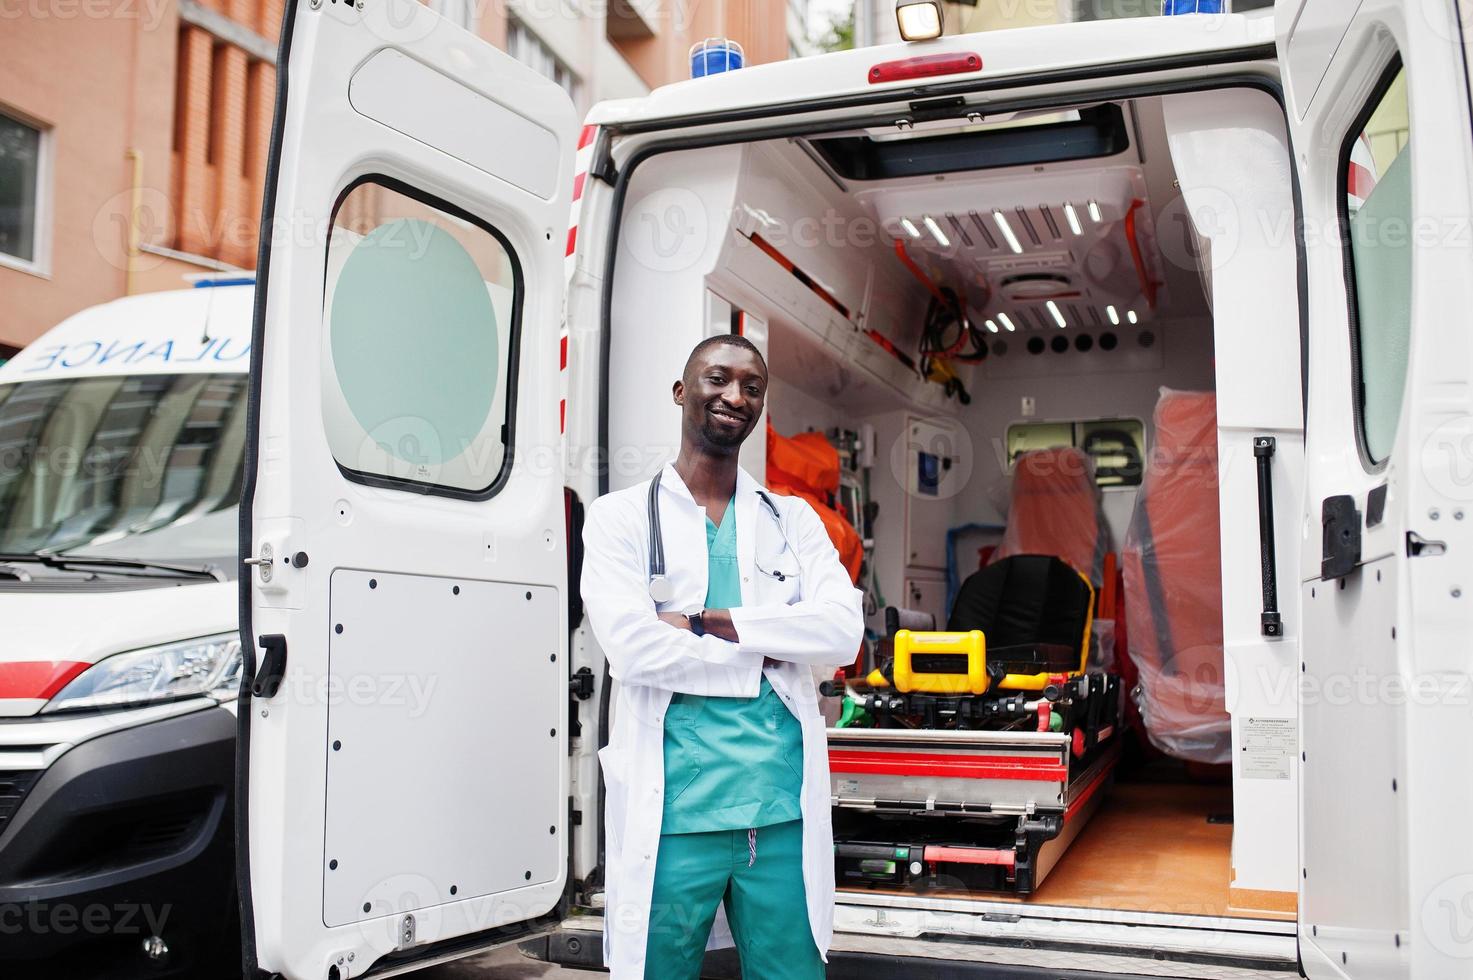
x=1340 y=526
x=265 y=562
x=273 y=666
x=406 y=932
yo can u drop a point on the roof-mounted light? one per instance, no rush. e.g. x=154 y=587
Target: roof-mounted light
x=1058 y=317
x=1073 y=219
x=936 y=231
x=1007 y=231
x=910 y=229
x=919 y=20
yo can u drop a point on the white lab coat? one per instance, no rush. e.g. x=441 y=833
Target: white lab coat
x=813 y=621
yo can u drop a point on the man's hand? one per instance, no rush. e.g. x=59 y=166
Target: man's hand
x=678 y=620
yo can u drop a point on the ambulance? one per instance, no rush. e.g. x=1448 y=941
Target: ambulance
x=1233 y=243
x=121 y=445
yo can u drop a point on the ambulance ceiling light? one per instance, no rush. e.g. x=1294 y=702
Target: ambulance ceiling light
x=1094 y=212
x=1073 y=218
x=1130 y=315
x=910 y=229
x=992 y=326
x=1058 y=317
x=919 y=20
x=1007 y=231
x=1006 y=322
x=936 y=231
x=1114 y=316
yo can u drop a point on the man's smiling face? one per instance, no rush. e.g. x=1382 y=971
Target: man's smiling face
x=721 y=397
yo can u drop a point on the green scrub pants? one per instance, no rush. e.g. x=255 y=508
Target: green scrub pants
x=761 y=883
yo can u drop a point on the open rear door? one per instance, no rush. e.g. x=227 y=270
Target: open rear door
x=404 y=776
x=1378 y=106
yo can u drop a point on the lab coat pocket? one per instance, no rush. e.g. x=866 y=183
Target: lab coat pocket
x=774 y=591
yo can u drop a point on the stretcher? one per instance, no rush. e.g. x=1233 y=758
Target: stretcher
x=954 y=766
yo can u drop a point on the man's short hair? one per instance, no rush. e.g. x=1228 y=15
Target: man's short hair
x=728 y=339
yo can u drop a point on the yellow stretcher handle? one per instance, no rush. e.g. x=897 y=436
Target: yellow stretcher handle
x=910 y=644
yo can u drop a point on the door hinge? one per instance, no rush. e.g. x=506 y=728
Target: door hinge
x=580 y=685
x=273 y=666
x=1340 y=524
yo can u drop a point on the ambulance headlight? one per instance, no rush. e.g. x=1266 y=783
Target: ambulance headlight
x=208 y=665
x=920 y=20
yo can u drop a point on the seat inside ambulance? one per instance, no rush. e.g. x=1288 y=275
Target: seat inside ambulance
x=1173 y=584
x=974 y=320
x=1054 y=509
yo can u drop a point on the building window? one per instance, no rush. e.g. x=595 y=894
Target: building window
x=528 y=48
x=462 y=13
x=23 y=177
x=1376 y=184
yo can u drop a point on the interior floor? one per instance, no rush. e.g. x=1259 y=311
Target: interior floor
x=1150 y=847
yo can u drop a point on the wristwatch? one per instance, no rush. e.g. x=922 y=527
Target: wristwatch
x=696 y=626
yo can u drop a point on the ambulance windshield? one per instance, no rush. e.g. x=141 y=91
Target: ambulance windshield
x=141 y=466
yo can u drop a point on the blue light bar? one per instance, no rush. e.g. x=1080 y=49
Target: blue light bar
x=234 y=280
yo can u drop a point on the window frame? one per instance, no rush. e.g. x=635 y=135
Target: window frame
x=513 y=351
x=40 y=265
x=1387 y=77
x=1074 y=425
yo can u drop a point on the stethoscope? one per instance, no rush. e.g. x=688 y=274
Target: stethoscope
x=660 y=588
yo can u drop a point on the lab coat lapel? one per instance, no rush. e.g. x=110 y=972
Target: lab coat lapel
x=747 y=504
x=683 y=526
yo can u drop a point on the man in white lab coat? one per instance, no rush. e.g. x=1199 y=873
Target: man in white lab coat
x=712 y=617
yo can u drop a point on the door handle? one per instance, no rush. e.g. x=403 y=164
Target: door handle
x=273 y=666
x=1270 y=622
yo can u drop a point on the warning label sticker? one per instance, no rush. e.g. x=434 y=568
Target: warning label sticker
x=1268 y=747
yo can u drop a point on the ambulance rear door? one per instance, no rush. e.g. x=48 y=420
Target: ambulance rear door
x=1379 y=114
x=403 y=778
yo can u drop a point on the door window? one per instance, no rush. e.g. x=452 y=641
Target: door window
x=422 y=311
x=1376 y=184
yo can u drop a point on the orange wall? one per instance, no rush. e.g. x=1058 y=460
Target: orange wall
x=102 y=85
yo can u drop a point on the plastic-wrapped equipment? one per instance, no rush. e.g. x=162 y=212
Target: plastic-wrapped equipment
x=807 y=465
x=1173 y=584
x=1055 y=510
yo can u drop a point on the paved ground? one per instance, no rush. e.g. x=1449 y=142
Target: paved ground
x=504 y=964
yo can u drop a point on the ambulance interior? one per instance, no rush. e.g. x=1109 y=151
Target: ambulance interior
x=1080 y=416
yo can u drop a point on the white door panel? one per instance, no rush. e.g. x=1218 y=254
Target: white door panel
x=1385 y=160
x=407 y=782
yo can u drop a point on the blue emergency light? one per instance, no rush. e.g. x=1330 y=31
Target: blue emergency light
x=713 y=56
x=1172 y=7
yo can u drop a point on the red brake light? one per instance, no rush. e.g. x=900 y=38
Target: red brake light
x=926 y=66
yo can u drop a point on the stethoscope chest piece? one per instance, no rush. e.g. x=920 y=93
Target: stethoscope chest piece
x=660 y=589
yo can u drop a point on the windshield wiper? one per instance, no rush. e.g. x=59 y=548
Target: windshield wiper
x=51 y=560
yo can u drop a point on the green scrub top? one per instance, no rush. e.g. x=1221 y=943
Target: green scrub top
x=730 y=763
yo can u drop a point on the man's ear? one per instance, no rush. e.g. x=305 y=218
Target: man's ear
x=677 y=390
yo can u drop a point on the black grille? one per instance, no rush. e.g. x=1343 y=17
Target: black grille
x=938 y=663
x=14 y=785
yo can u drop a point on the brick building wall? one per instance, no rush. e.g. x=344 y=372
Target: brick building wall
x=156 y=117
